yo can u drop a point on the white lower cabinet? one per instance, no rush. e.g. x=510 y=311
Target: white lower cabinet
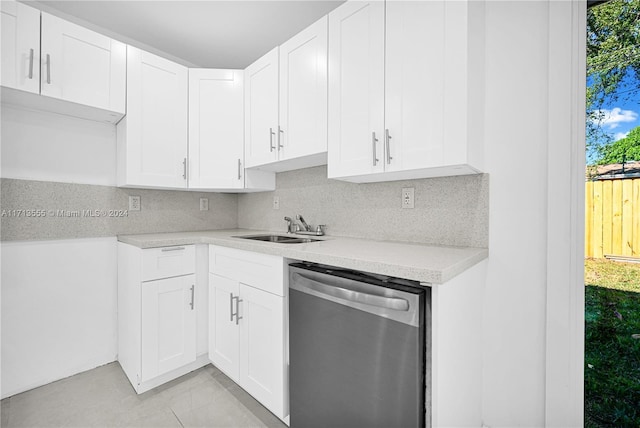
x=158 y=305
x=247 y=330
x=168 y=325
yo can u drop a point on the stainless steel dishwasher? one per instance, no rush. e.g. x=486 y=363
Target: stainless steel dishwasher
x=357 y=349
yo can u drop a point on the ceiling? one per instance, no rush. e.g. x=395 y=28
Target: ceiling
x=210 y=34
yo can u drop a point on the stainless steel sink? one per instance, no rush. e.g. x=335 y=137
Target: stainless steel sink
x=281 y=239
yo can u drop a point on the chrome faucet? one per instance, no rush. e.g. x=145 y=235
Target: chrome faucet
x=307 y=229
x=304 y=224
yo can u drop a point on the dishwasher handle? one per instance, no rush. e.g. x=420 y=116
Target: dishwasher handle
x=392 y=303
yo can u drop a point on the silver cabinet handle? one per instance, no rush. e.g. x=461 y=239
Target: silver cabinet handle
x=184 y=168
x=48 y=69
x=30 y=63
x=280 y=132
x=237 y=312
x=238 y=317
x=387 y=137
x=271 y=134
x=193 y=287
x=374 y=141
x=239 y=169
x=164 y=250
x=231 y=307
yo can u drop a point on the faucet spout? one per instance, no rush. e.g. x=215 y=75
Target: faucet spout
x=303 y=223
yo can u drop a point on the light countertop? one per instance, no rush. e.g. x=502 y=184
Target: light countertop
x=420 y=262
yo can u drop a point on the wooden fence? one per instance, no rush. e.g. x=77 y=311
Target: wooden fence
x=612 y=218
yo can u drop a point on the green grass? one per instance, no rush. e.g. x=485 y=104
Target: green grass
x=612 y=355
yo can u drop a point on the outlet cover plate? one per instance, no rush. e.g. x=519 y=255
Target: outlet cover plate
x=408 y=197
x=204 y=204
x=134 y=203
x=276 y=202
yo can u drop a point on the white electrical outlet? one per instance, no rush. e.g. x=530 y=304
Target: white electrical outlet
x=204 y=204
x=407 y=197
x=276 y=202
x=134 y=203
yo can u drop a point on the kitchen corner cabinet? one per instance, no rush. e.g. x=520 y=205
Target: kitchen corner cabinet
x=286 y=103
x=157 y=313
x=247 y=323
x=152 y=137
x=403 y=79
x=58 y=66
x=216 y=135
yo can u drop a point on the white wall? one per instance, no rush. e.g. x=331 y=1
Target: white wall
x=53 y=147
x=516 y=158
x=521 y=146
x=59 y=310
x=59 y=314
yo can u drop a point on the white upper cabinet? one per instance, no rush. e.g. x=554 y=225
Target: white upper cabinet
x=356 y=89
x=414 y=85
x=152 y=137
x=82 y=66
x=216 y=137
x=286 y=103
x=261 y=110
x=46 y=55
x=216 y=134
x=20 y=47
x=402 y=78
x=303 y=94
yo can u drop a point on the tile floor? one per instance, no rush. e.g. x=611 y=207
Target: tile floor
x=103 y=397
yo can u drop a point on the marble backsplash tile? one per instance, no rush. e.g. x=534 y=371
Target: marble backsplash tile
x=448 y=211
x=70 y=211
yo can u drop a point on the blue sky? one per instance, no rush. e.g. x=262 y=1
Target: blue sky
x=624 y=114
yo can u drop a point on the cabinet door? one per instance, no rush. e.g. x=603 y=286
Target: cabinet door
x=20 y=46
x=82 y=66
x=261 y=110
x=356 y=89
x=303 y=92
x=224 y=345
x=168 y=325
x=216 y=134
x=414 y=84
x=262 y=347
x=154 y=131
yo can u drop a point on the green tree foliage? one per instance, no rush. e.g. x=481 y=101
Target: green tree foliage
x=623 y=150
x=613 y=53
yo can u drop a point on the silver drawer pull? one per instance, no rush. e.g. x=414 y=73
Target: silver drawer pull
x=239 y=169
x=164 y=250
x=193 y=287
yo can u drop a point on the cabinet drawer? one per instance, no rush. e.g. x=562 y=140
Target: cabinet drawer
x=166 y=262
x=262 y=271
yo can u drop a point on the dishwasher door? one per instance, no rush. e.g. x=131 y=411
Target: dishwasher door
x=357 y=351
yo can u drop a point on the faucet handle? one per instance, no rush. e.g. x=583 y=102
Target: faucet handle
x=320 y=229
x=289 y=224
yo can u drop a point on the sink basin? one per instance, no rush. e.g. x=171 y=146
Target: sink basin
x=281 y=239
